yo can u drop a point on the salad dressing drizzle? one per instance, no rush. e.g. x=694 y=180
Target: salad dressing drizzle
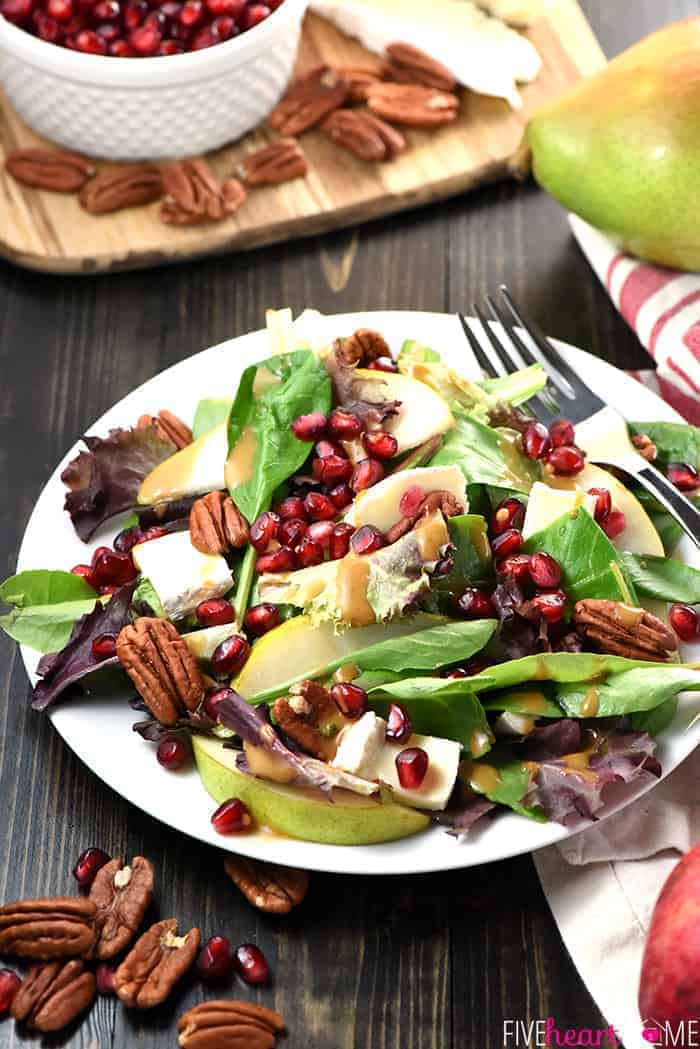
x=241 y=460
x=351 y=584
x=591 y=702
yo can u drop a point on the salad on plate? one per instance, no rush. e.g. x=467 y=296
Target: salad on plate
x=366 y=594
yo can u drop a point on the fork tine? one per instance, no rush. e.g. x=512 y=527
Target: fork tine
x=483 y=359
x=562 y=375
x=545 y=399
x=502 y=354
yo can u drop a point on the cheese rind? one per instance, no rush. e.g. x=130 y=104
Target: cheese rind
x=181 y=575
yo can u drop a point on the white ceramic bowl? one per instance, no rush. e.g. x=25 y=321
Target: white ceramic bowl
x=135 y=108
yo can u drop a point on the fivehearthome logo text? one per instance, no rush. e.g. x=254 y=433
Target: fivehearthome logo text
x=548 y=1033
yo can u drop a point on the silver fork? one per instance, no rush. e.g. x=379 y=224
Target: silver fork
x=600 y=429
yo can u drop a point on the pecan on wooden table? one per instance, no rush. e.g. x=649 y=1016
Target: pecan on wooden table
x=168 y=426
x=126 y=186
x=622 y=630
x=161 y=666
x=271 y=165
x=122 y=894
x=53 y=169
x=53 y=995
x=216 y=525
x=154 y=964
x=269 y=887
x=228 y=1024
x=309 y=99
x=359 y=79
x=364 y=135
x=193 y=194
x=50 y=927
x=410 y=65
x=413 y=105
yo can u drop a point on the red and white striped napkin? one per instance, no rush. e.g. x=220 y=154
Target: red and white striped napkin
x=662 y=306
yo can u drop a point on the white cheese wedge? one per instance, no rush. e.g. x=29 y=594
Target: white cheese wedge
x=547 y=505
x=202 y=643
x=359 y=746
x=482 y=52
x=180 y=574
x=379 y=505
x=515 y=12
x=435 y=790
x=199 y=467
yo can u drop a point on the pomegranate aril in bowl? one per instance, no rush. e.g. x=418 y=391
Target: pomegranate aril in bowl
x=261 y=618
x=251 y=964
x=412 y=767
x=341 y=496
x=88 y=864
x=215 y=961
x=517 y=566
x=383 y=364
x=215 y=612
x=231 y=817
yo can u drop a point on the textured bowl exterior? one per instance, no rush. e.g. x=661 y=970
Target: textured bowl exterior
x=166 y=110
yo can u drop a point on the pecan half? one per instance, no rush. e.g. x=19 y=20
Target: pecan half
x=162 y=668
x=413 y=104
x=194 y=194
x=52 y=995
x=410 y=65
x=121 y=187
x=363 y=134
x=51 y=927
x=309 y=99
x=216 y=525
x=622 y=630
x=359 y=79
x=361 y=348
x=298 y=716
x=440 y=500
x=168 y=426
x=267 y=886
x=122 y=894
x=228 y=1024
x=281 y=161
x=154 y=964
x=53 y=169
x=645 y=446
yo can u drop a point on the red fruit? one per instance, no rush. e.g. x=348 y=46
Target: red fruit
x=476 y=604
x=216 y=612
x=16 y=10
x=156 y=19
x=603 y=503
x=213 y=698
x=292 y=506
x=281 y=560
x=536 y=441
x=120 y=49
x=685 y=621
x=332 y=469
x=173 y=753
x=109 y=590
x=308 y=553
x=398 y=723
x=10 y=983
x=550 y=604
x=367 y=539
x=106 y=11
x=614 y=524
x=261 y=618
x=381 y=445
x=344 y=426
x=350 y=699
x=233 y=8
x=411 y=500
x=383 y=364
x=204 y=38
x=99 y=552
x=545 y=571
x=507 y=543
x=104 y=646
x=90 y=42
x=251 y=964
x=145 y=39
x=324 y=447
x=340 y=541
x=254 y=14
x=508 y=514
x=89 y=863
x=518 y=566
x=46 y=28
x=340 y=496
x=292 y=531
x=366 y=473
x=224 y=27
x=561 y=432
x=412 y=766
x=684 y=476
x=85 y=572
x=321 y=532
x=134 y=13
x=214 y=964
x=104 y=978
x=192 y=13
x=61 y=10
x=230 y=654
x=309 y=427
x=113 y=569
x=231 y=817
x=263 y=530
x=318 y=507
x=566 y=460
x=170 y=47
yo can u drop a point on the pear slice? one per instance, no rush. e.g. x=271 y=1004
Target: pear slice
x=379 y=505
x=422 y=415
x=202 y=643
x=199 y=467
x=302 y=812
x=546 y=505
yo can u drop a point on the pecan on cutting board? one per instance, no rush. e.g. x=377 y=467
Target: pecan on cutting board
x=161 y=666
x=122 y=894
x=269 y=887
x=228 y=1024
x=271 y=165
x=154 y=965
x=410 y=65
x=309 y=99
x=51 y=927
x=193 y=194
x=216 y=525
x=53 y=995
x=115 y=188
x=359 y=79
x=413 y=105
x=364 y=134
x=53 y=169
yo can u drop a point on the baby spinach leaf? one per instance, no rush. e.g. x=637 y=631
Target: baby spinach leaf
x=47 y=604
x=563 y=667
x=210 y=413
x=486 y=456
x=517 y=387
x=656 y=720
x=641 y=688
x=533 y=702
x=457 y=716
x=503 y=779
x=663 y=577
x=675 y=442
x=472 y=553
x=145 y=594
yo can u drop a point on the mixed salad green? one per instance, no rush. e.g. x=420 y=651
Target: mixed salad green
x=367 y=593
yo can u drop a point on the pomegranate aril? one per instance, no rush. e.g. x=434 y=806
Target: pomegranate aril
x=381 y=445
x=398 y=723
x=261 y=618
x=411 y=767
x=410 y=501
x=47 y=29
x=367 y=539
x=319 y=507
x=251 y=964
x=324 y=448
x=517 y=566
x=292 y=531
x=173 y=753
x=215 y=963
x=109 y=589
x=308 y=553
x=121 y=49
x=10 y=983
x=508 y=514
x=229 y=656
x=99 y=552
x=233 y=8
x=566 y=460
x=309 y=427
x=224 y=27
x=341 y=496
x=88 y=864
x=340 y=541
x=263 y=530
x=544 y=571
x=145 y=39
x=684 y=476
x=550 y=605
x=254 y=15
x=614 y=524
x=351 y=700
x=685 y=621
x=213 y=698
x=203 y=38
x=215 y=612
x=383 y=364
x=603 y=503
x=90 y=42
x=366 y=473
x=507 y=543
x=290 y=507
x=16 y=10
x=85 y=572
x=153 y=533
x=134 y=13
x=344 y=426
x=562 y=432
x=104 y=979
x=61 y=10
x=321 y=532
x=536 y=442
x=476 y=604
x=106 y=11
x=114 y=569
x=104 y=646
x=332 y=469
x=281 y=560
x=231 y=817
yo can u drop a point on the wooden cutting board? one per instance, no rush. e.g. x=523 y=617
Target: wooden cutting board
x=49 y=231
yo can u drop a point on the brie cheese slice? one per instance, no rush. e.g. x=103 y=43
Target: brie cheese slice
x=180 y=574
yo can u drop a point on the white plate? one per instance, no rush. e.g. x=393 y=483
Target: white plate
x=99 y=732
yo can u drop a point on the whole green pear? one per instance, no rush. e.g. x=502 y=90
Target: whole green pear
x=622 y=148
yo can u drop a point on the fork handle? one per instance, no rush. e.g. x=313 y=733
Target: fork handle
x=680 y=508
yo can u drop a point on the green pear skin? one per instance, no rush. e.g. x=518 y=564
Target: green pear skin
x=302 y=813
x=622 y=148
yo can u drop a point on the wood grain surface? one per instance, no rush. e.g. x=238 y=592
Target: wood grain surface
x=49 y=231
x=423 y=962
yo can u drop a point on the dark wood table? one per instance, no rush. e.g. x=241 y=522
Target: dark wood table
x=422 y=962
